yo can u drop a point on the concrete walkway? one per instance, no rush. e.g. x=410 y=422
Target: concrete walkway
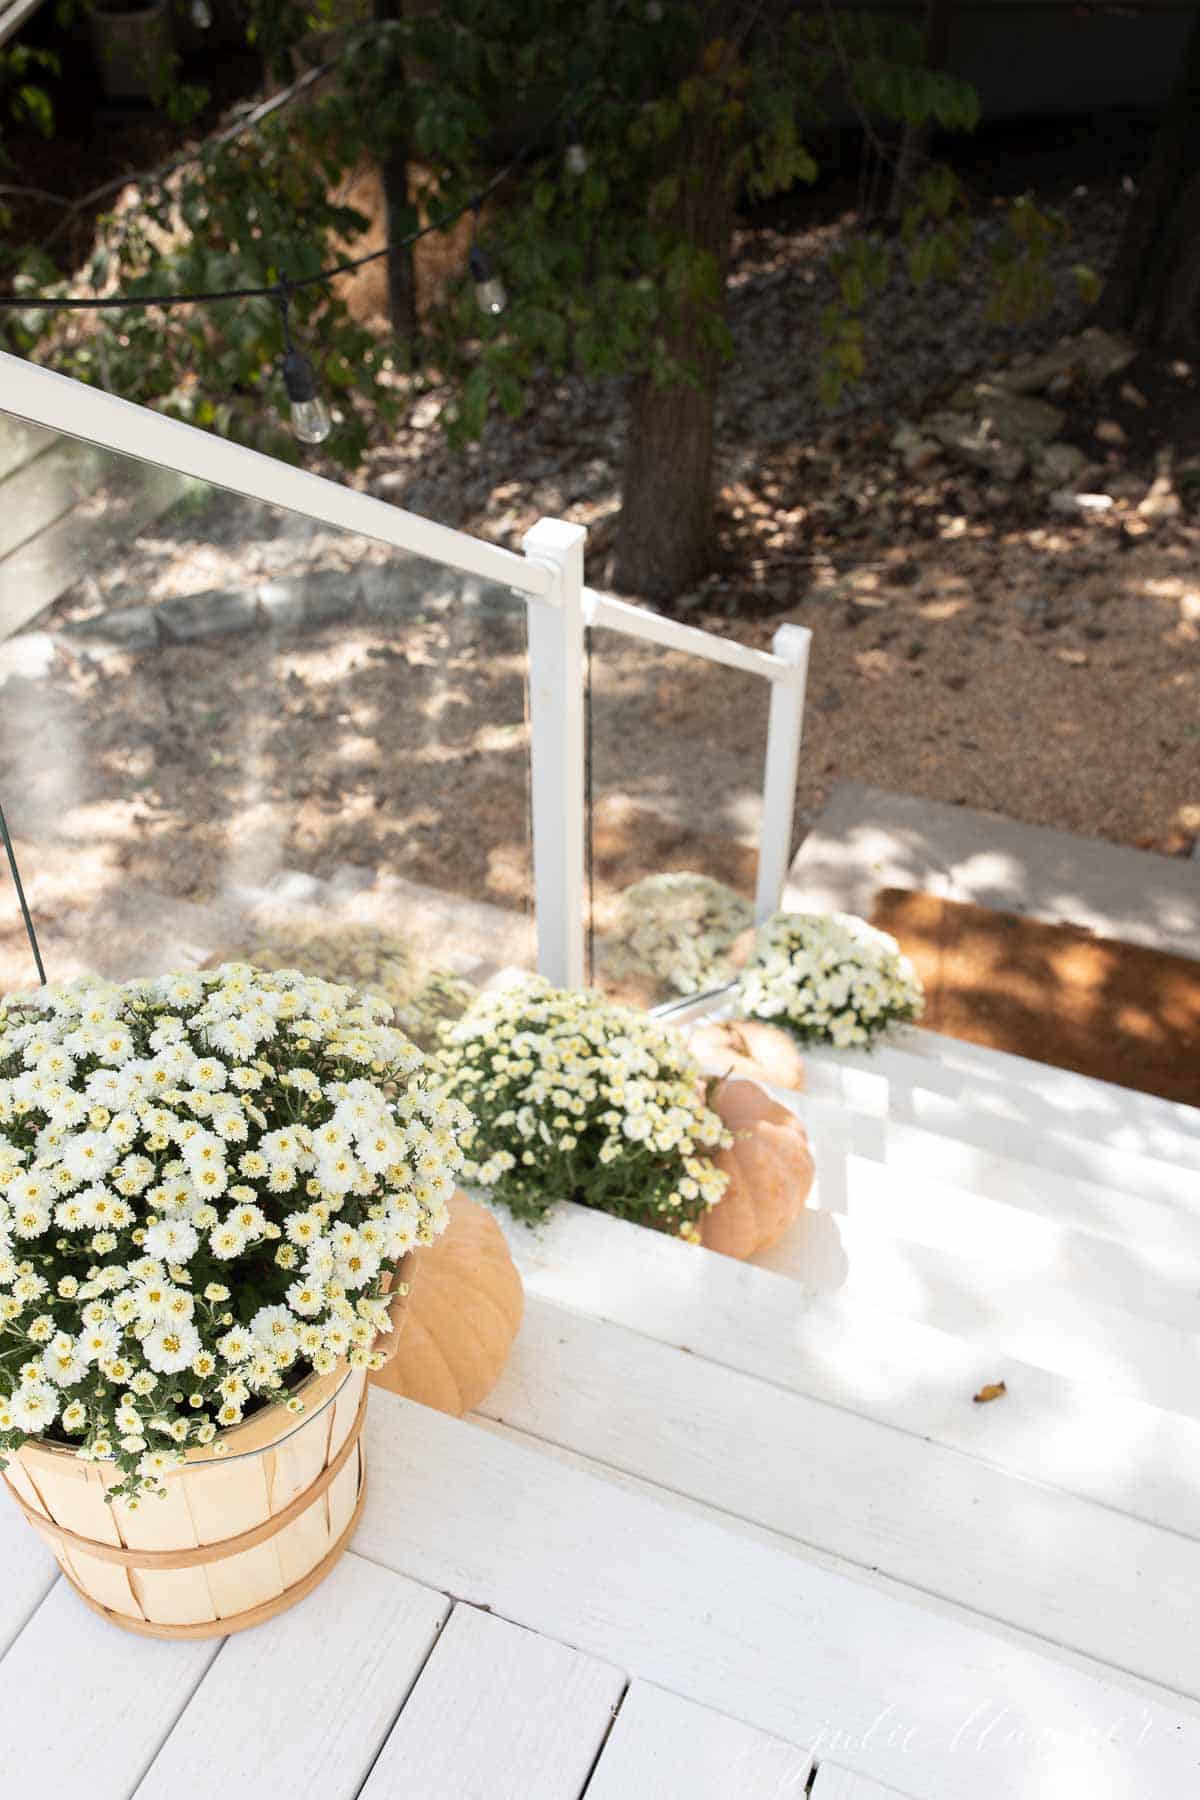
x=867 y=839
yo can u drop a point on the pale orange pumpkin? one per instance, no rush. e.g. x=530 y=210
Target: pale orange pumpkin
x=747 y=1047
x=463 y=1309
x=770 y=1170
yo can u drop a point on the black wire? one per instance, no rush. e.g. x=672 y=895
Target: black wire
x=84 y=303
x=30 y=933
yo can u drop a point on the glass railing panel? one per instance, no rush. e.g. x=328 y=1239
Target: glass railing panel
x=229 y=728
x=675 y=801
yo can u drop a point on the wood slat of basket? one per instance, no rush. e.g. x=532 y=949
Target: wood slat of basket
x=186 y=1583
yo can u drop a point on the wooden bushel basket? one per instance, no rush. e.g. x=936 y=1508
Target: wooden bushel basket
x=240 y=1536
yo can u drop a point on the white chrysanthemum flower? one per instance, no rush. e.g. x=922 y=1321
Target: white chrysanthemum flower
x=63 y=1362
x=34 y=1406
x=168 y=1348
x=829 y=977
x=126 y=1111
x=574 y=1097
x=172 y=1239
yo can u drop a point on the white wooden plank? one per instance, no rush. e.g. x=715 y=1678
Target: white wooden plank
x=84 y=1705
x=20 y=441
x=1063 y=1089
x=1022 y=1092
x=754 y=1631
x=1143 y=1278
x=871 y=1090
x=1074 y=1434
x=1009 y=1311
x=836 y=1783
x=1040 y=1560
x=1128 y=1217
x=43 y=490
x=26 y=1571
x=663 y=1747
x=42 y=568
x=500 y=1713
x=302 y=1704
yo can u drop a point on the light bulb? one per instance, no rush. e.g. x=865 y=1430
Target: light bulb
x=311 y=421
x=491 y=295
x=576 y=159
x=201 y=15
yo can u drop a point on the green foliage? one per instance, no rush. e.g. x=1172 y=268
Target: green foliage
x=613 y=270
x=1023 y=284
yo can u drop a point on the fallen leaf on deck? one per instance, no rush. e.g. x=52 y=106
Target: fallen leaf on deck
x=992 y=1391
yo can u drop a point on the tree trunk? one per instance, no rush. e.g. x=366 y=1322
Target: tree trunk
x=393 y=170
x=666 y=536
x=914 y=145
x=1153 y=287
x=402 y=274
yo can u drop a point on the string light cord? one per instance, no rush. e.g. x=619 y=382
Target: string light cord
x=271 y=291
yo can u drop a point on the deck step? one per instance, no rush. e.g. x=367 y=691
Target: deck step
x=663 y=1747
x=1144 y=1278
x=1088 y=1143
x=870 y=1495
x=83 y=538
x=761 y=1630
x=917 y=1153
x=1063 y=1091
x=1039 y=1318
x=42 y=490
x=20 y=442
x=1070 y=1431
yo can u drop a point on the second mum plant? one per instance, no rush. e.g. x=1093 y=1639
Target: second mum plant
x=576 y=1098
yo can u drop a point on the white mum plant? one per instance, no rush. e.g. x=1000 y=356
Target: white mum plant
x=829 y=978
x=680 y=929
x=207 y=1180
x=578 y=1099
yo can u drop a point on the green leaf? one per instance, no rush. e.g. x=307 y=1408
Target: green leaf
x=1088 y=283
x=476 y=399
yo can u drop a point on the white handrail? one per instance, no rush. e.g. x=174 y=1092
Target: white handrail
x=557 y=754
x=605 y=611
x=549 y=576
x=61 y=404
x=781 y=770
x=786 y=668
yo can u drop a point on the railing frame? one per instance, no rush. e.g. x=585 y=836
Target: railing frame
x=785 y=666
x=549 y=577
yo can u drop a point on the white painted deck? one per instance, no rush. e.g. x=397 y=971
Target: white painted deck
x=65 y=507
x=726 y=1532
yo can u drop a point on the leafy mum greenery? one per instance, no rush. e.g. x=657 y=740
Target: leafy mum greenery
x=206 y=1181
x=578 y=1099
x=830 y=978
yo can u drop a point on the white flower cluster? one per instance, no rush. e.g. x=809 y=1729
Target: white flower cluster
x=576 y=1098
x=678 y=928
x=830 y=978
x=205 y=1183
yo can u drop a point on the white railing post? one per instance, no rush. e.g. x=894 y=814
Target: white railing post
x=557 y=750
x=785 y=726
